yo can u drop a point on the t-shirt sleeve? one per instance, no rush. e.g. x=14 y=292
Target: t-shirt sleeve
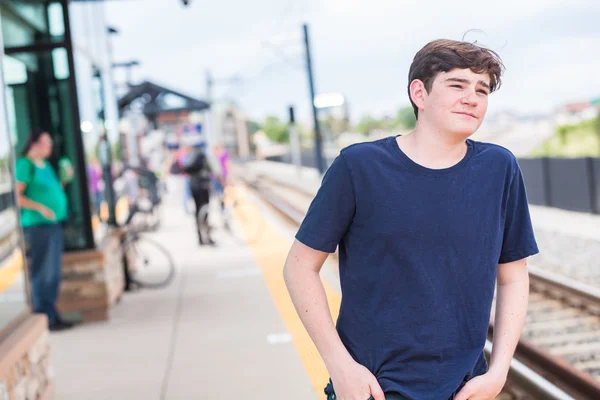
x=519 y=239
x=331 y=211
x=24 y=171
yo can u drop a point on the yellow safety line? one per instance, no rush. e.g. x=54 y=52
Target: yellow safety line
x=11 y=269
x=270 y=252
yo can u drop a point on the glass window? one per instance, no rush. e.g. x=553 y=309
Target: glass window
x=60 y=60
x=26 y=22
x=44 y=100
x=56 y=20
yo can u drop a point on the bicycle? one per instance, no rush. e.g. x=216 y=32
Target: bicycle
x=232 y=215
x=146 y=263
x=145 y=213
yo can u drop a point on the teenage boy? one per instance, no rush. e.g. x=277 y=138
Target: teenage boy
x=426 y=225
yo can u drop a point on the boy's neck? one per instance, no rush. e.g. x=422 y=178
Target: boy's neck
x=433 y=149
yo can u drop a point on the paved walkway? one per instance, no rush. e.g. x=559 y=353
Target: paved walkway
x=215 y=333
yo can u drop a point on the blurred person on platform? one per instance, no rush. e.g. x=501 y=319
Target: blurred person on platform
x=43 y=204
x=427 y=224
x=182 y=157
x=198 y=168
x=224 y=163
x=94 y=171
x=131 y=189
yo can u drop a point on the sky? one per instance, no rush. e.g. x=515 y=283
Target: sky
x=361 y=48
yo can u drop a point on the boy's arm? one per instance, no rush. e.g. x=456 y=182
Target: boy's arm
x=512 y=298
x=301 y=275
x=511 y=309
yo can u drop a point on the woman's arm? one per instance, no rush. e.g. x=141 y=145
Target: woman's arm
x=25 y=202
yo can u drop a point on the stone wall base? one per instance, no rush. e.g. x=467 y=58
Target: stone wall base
x=92 y=282
x=25 y=369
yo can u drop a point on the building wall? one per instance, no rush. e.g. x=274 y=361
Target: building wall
x=13 y=293
x=91 y=50
x=25 y=367
x=41 y=91
x=230 y=129
x=97 y=100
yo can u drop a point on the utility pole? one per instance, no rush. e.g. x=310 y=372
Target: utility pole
x=105 y=158
x=209 y=86
x=127 y=65
x=295 y=141
x=318 y=144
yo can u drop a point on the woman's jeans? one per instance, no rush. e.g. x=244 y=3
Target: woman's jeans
x=44 y=250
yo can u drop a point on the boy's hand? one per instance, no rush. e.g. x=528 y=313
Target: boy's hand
x=355 y=382
x=483 y=387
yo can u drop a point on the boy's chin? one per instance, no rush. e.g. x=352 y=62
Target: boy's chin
x=464 y=131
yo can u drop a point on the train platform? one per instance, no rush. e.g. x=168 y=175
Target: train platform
x=224 y=329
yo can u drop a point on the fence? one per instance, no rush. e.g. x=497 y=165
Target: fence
x=567 y=183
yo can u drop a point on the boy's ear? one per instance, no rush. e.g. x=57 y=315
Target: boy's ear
x=418 y=93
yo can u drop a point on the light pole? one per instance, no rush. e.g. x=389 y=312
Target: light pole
x=127 y=65
x=311 y=84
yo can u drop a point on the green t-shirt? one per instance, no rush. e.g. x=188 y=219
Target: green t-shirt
x=42 y=186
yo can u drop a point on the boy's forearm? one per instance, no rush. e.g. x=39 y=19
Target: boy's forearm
x=511 y=311
x=309 y=298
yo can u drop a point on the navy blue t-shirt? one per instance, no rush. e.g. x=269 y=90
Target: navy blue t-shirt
x=419 y=250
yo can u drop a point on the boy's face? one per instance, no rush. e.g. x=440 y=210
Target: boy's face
x=457 y=101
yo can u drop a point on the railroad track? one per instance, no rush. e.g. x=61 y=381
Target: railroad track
x=558 y=356
x=561 y=337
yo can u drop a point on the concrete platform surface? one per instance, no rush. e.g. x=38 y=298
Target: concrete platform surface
x=214 y=333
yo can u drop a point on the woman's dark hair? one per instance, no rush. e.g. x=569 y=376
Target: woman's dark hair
x=34 y=136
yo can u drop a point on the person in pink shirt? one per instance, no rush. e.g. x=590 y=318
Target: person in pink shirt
x=219 y=182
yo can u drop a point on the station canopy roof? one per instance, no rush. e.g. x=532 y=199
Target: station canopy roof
x=154 y=99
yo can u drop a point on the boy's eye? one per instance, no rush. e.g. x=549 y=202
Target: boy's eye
x=483 y=92
x=456 y=86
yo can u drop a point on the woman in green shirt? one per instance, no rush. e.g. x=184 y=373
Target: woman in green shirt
x=43 y=205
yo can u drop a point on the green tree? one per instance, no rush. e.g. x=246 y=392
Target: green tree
x=253 y=127
x=406 y=118
x=597 y=127
x=367 y=124
x=563 y=132
x=276 y=130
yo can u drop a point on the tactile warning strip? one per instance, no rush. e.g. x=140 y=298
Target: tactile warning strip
x=270 y=250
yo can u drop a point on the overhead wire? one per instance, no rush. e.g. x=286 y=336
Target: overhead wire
x=274 y=49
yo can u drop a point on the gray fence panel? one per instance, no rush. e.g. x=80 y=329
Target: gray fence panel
x=596 y=184
x=535 y=181
x=567 y=183
x=570 y=184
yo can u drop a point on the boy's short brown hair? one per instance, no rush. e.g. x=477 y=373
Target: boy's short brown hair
x=444 y=55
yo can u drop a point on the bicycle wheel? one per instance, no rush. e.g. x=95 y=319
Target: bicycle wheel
x=153 y=266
